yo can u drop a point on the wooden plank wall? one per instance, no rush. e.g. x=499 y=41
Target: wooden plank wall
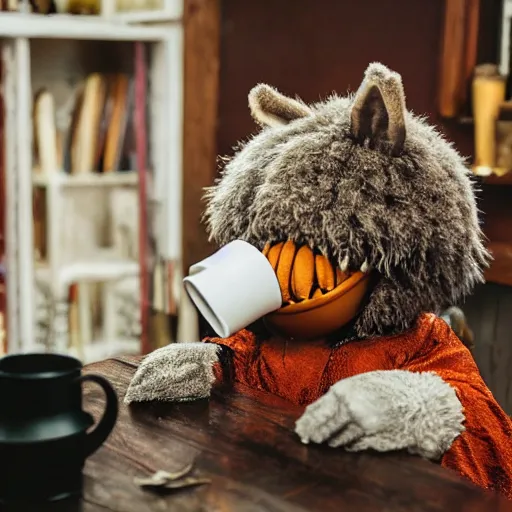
x=489 y=314
x=314 y=48
x=202 y=40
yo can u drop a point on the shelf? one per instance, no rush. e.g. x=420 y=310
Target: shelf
x=482 y=171
x=466 y=120
x=64 y=26
x=86 y=179
x=488 y=176
x=103 y=266
x=494 y=179
x=153 y=16
x=58 y=52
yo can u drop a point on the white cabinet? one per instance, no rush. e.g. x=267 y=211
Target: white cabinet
x=91 y=237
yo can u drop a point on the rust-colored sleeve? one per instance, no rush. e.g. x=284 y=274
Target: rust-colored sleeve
x=237 y=355
x=483 y=452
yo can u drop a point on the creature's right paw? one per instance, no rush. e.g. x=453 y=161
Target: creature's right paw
x=175 y=373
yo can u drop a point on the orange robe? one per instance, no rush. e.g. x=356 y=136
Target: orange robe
x=301 y=372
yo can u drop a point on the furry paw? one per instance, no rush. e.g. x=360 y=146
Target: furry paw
x=177 y=372
x=384 y=411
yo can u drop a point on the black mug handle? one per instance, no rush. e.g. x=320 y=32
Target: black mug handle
x=99 y=435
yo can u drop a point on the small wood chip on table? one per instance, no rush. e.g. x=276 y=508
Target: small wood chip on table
x=238 y=451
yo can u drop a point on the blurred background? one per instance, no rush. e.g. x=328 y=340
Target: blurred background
x=114 y=115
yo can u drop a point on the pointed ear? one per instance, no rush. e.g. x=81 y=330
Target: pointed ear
x=378 y=111
x=271 y=108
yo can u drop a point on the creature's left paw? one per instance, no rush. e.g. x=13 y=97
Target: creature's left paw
x=328 y=419
x=384 y=411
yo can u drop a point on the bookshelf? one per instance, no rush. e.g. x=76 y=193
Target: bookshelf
x=79 y=246
x=64 y=26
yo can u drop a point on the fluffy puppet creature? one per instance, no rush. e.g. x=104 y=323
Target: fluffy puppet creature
x=374 y=189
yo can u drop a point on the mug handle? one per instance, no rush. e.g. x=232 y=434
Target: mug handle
x=99 y=435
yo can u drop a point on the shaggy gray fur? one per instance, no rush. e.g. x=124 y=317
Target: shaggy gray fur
x=406 y=206
x=177 y=372
x=270 y=107
x=377 y=115
x=386 y=410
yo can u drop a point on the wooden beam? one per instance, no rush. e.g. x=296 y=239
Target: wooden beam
x=471 y=46
x=459 y=54
x=452 y=57
x=202 y=42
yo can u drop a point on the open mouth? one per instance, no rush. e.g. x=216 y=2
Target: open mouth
x=304 y=274
x=318 y=296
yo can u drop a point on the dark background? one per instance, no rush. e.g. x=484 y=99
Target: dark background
x=313 y=48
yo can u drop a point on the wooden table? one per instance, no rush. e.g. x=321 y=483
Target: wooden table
x=244 y=441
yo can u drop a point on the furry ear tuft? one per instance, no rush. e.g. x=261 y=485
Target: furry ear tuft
x=378 y=112
x=271 y=108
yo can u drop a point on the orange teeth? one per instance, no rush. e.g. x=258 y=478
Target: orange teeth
x=324 y=273
x=303 y=273
x=273 y=254
x=284 y=269
x=318 y=293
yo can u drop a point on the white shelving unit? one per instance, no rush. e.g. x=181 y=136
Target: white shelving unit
x=37 y=50
x=61 y=179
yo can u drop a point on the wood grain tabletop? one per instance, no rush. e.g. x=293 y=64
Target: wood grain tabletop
x=243 y=441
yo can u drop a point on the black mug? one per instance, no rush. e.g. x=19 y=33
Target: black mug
x=43 y=429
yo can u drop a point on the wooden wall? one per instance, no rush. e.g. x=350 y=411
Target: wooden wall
x=314 y=48
x=489 y=311
x=202 y=39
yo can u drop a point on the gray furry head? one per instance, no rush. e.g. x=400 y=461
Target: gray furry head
x=363 y=178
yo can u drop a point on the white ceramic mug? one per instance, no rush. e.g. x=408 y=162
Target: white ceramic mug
x=234 y=287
